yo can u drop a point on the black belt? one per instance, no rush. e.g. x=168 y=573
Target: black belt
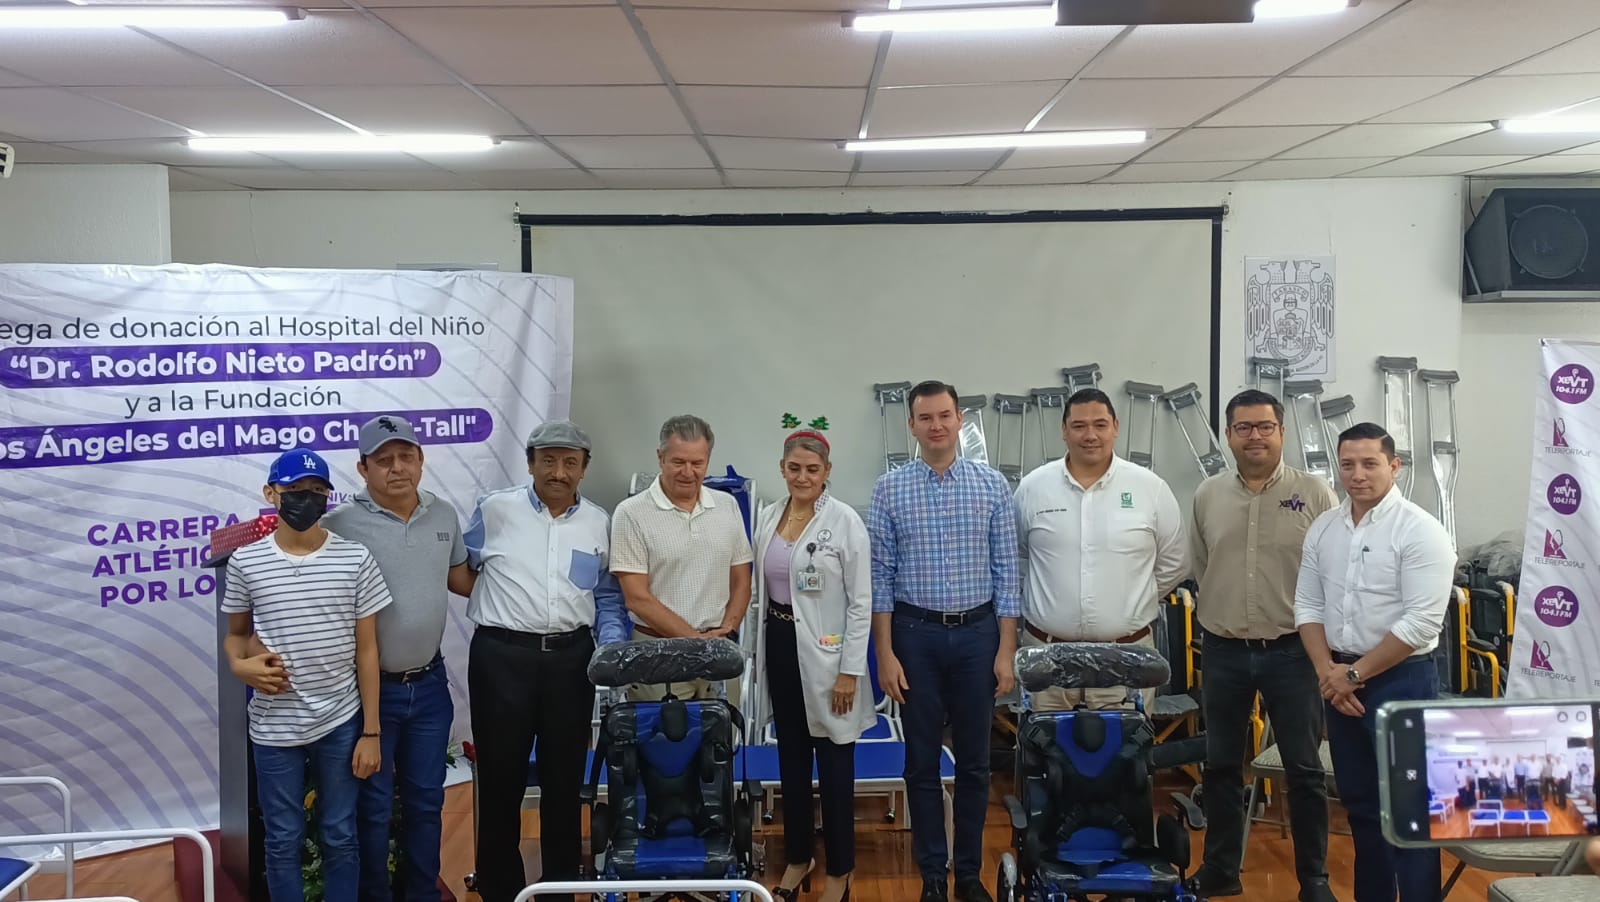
x=946 y=618
x=537 y=641
x=1261 y=644
x=412 y=675
x=1344 y=657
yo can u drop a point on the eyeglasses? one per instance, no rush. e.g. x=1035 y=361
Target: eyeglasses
x=1243 y=430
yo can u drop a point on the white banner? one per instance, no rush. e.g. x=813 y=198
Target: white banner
x=1556 y=645
x=139 y=409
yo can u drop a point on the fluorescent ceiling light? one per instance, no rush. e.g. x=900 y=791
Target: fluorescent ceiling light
x=1289 y=9
x=998 y=142
x=1526 y=712
x=1526 y=732
x=276 y=144
x=1468 y=734
x=1562 y=125
x=1462 y=749
x=990 y=19
x=146 y=16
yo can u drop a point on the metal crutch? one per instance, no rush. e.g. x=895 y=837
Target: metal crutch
x=1304 y=408
x=1053 y=398
x=1397 y=373
x=974 y=443
x=1141 y=450
x=1081 y=377
x=1442 y=433
x=889 y=393
x=1184 y=402
x=1338 y=414
x=1011 y=404
x=1265 y=371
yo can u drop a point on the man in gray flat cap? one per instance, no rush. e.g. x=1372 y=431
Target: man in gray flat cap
x=538 y=618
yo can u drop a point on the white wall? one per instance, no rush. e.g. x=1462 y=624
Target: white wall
x=1397 y=240
x=85 y=214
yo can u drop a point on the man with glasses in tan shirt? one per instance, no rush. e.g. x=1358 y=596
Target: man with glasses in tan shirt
x=1247 y=533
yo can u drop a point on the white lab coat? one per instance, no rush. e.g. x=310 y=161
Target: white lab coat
x=831 y=626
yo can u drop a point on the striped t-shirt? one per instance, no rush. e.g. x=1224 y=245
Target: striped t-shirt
x=304 y=608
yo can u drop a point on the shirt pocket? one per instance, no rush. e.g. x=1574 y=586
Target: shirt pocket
x=584 y=572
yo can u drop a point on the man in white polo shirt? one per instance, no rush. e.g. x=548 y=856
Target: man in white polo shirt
x=1375 y=580
x=1102 y=541
x=680 y=550
x=543 y=599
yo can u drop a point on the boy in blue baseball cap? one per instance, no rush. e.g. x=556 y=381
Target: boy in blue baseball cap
x=310 y=596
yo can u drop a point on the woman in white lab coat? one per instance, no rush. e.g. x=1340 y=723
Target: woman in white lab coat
x=814 y=588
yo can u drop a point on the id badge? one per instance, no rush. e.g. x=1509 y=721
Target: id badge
x=808 y=581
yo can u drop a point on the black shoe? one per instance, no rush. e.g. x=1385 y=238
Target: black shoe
x=934 y=890
x=971 y=889
x=1208 y=882
x=1317 y=892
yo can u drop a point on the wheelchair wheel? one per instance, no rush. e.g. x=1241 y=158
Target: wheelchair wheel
x=1005 y=883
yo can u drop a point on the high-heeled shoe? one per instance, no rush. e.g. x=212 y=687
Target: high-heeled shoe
x=787 y=893
x=844 y=895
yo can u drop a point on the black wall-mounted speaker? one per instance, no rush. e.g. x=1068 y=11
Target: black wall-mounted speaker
x=1535 y=244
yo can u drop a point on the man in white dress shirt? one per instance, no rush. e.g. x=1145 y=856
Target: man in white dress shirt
x=1102 y=542
x=1374 y=583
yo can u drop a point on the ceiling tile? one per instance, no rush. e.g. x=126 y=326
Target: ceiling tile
x=1199 y=144
x=1383 y=140
x=826 y=5
x=379 y=4
x=274 y=179
x=1457 y=37
x=611 y=110
x=1495 y=142
x=1585 y=150
x=1329 y=101
x=1171 y=172
x=509 y=154
x=170 y=152
x=1500 y=97
x=1259 y=48
x=706 y=47
x=780 y=154
x=1049 y=175
x=536 y=46
x=1423 y=166
x=103 y=57
x=1142 y=102
x=411 y=109
x=1305 y=169
x=420 y=180
x=866 y=179
x=1579 y=55
x=535 y=179
x=974 y=161
x=328 y=47
x=1556 y=164
x=957 y=109
x=663 y=152
x=778 y=178
x=827 y=113
x=659 y=179
x=29 y=152
x=51 y=114
x=1041 y=157
x=222 y=111
x=1046 y=54
x=184 y=180
x=14 y=80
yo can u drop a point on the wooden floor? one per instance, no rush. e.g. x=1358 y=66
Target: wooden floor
x=884 y=868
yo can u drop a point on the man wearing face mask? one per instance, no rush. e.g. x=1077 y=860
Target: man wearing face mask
x=544 y=598
x=415 y=536
x=1103 y=542
x=312 y=597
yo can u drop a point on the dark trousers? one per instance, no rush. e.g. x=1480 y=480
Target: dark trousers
x=1235 y=671
x=1380 y=868
x=520 y=694
x=950 y=671
x=836 y=764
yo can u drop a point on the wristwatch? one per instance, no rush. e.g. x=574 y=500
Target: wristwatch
x=1354 y=676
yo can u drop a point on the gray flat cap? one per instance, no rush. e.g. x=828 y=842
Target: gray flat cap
x=559 y=434
x=379 y=431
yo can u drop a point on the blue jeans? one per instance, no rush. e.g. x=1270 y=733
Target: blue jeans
x=281 y=793
x=950 y=670
x=1380 y=868
x=416 y=720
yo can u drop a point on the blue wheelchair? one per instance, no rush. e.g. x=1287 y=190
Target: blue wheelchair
x=1083 y=823
x=672 y=811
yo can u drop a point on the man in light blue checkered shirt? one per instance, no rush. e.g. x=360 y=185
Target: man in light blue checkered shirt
x=946 y=597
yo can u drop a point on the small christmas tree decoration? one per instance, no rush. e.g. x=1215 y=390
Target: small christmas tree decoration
x=820 y=424
x=790 y=421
